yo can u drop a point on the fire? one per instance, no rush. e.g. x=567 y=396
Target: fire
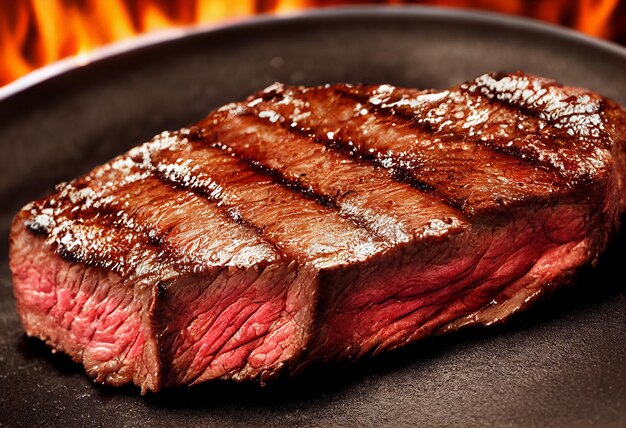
x=34 y=33
x=594 y=16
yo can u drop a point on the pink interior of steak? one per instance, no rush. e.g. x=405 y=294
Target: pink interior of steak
x=130 y=291
x=238 y=323
x=383 y=307
x=82 y=311
x=241 y=324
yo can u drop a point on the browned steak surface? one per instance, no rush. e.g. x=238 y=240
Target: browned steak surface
x=320 y=224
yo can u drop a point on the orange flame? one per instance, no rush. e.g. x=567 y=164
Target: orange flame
x=593 y=16
x=34 y=33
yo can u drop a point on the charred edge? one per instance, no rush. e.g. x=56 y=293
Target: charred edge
x=107 y=218
x=36 y=229
x=71 y=257
x=161 y=288
x=397 y=172
x=512 y=151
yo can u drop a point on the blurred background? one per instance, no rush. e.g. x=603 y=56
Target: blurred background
x=34 y=33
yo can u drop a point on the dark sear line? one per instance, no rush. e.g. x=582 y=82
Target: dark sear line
x=497 y=135
x=213 y=197
x=84 y=235
x=193 y=236
x=302 y=227
x=117 y=226
x=570 y=133
x=360 y=191
x=359 y=156
x=534 y=120
x=479 y=88
x=399 y=172
x=548 y=103
x=294 y=184
x=463 y=172
x=450 y=132
x=509 y=115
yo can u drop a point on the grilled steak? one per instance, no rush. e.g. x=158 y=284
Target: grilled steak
x=320 y=224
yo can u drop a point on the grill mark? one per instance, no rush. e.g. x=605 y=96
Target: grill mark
x=399 y=173
x=512 y=151
x=526 y=107
x=363 y=98
x=324 y=200
x=165 y=251
x=103 y=217
x=356 y=246
x=534 y=186
x=230 y=213
x=526 y=111
x=108 y=216
x=565 y=123
x=254 y=139
x=496 y=144
x=278 y=178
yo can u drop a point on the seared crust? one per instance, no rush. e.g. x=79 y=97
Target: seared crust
x=299 y=208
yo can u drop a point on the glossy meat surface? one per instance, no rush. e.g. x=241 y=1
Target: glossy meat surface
x=320 y=224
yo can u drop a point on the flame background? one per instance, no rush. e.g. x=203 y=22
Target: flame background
x=34 y=33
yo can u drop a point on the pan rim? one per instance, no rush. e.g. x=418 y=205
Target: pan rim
x=102 y=53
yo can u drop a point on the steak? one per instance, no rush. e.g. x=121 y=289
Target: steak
x=320 y=224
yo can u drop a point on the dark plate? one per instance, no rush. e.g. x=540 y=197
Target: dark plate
x=560 y=364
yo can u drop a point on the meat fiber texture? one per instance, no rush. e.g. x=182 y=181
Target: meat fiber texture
x=320 y=224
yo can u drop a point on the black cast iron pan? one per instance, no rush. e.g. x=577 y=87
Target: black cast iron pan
x=561 y=364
